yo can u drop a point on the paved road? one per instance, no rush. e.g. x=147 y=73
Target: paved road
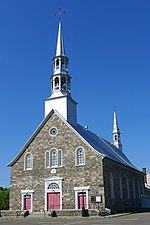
x=133 y=219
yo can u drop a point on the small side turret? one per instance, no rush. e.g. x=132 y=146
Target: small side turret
x=116 y=133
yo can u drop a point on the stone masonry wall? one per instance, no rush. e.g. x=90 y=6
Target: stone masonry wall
x=91 y=174
x=130 y=198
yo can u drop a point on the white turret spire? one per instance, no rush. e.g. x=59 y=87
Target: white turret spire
x=60 y=50
x=116 y=133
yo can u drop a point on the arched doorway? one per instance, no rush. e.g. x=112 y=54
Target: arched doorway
x=53 y=193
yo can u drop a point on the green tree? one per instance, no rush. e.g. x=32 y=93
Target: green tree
x=4 y=198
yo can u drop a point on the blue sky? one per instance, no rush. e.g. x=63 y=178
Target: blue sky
x=108 y=43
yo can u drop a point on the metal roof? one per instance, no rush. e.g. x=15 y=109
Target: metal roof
x=103 y=146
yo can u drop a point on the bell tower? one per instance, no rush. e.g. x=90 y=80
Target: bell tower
x=60 y=79
x=60 y=98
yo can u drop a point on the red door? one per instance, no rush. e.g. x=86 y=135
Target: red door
x=27 y=202
x=82 y=200
x=53 y=200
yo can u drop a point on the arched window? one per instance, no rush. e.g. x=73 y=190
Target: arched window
x=80 y=156
x=56 y=83
x=63 y=64
x=47 y=159
x=69 y=85
x=120 y=184
x=52 y=84
x=63 y=84
x=128 y=188
x=139 y=189
x=57 y=64
x=53 y=157
x=28 y=161
x=134 y=193
x=59 y=158
x=112 y=189
x=53 y=186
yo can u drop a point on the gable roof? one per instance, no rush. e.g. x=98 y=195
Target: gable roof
x=96 y=143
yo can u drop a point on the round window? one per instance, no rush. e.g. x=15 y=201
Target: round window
x=53 y=131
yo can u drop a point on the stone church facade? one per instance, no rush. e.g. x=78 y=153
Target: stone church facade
x=65 y=166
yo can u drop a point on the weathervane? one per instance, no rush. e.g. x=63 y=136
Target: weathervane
x=114 y=107
x=60 y=13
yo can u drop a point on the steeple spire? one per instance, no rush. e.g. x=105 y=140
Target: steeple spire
x=60 y=50
x=116 y=133
x=60 y=98
x=60 y=79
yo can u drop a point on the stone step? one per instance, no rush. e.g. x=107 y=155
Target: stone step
x=37 y=214
x=93 y=212
x=64 y=212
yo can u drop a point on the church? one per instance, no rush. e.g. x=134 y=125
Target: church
x=64 y=165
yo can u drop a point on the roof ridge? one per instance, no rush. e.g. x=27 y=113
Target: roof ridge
x=130 y=164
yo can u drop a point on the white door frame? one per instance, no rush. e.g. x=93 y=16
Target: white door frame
x=27 y=192
x=56 y=180
x=81 y=189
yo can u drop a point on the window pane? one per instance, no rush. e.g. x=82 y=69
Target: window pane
x=112 y=190
x=80 y=156
x=47 y=159
x=28 y=162
x=53 y=157
x=53 y=186
x=59 y=158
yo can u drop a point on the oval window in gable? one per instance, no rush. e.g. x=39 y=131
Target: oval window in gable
x=53 y=131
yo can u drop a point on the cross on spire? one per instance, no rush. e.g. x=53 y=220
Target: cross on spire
x=114 y=107
x=60 y=13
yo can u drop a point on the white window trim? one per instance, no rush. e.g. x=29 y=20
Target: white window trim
x=61 y=157
x=53 y=135
x=23 y=193
x=56 y=166
x=46 y=159
x=76 y=157
x=81 y=189
x=25 y=161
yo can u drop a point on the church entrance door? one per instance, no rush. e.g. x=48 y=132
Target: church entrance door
x=27 y=202
x=53 y=193
x=53 y=200
x=82 y=200
x=81 y=197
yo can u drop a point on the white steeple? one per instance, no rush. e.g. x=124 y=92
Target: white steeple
x=60 y=79
x=116 y=133
x=60 y=50
x=60 y=98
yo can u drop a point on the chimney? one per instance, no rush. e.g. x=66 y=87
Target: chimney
x=145 y=177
